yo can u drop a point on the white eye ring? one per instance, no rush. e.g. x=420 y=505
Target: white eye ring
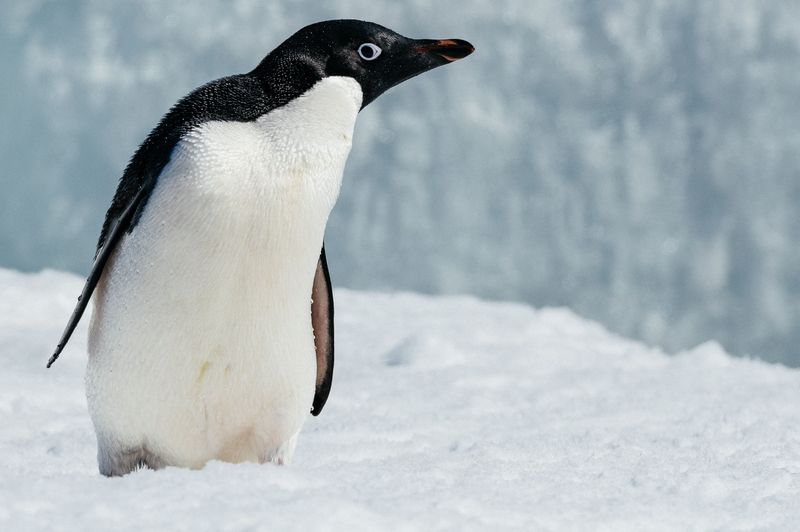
x=369 y=51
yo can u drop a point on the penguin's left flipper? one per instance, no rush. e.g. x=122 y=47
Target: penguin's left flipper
x=322 y=324
x=100 y=259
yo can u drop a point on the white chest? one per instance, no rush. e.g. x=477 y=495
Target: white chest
x=202 y=322
x=293 y=157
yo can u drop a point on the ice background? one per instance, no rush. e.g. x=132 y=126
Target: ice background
x=634 y=161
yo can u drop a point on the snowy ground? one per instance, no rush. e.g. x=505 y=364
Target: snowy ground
x=446 y=414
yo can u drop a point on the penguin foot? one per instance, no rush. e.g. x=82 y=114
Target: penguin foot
x=116 y=463
x=283 y=454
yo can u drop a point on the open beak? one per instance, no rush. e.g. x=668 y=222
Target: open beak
x=448 y=49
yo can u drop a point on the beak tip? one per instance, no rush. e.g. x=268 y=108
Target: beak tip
x=449 y=49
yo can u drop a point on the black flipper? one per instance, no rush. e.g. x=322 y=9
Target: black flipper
x=101 y=257
x=322 y=324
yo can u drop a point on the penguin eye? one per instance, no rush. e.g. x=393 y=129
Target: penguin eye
x=368 y=51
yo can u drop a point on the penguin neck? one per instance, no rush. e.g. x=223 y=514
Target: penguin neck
x=324 y=114
x=286 y=76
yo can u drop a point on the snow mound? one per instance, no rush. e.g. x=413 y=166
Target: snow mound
x=446 y=414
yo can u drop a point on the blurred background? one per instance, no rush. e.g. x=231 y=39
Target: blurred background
x=636 y=161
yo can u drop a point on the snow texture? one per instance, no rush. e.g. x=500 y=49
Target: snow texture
x=635 y=161
x=447 y=413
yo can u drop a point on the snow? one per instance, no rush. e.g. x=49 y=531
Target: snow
x=447 y=413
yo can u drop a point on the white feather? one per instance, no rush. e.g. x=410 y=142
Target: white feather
x=201 y=344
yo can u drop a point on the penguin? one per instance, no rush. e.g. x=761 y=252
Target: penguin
x=212 y=331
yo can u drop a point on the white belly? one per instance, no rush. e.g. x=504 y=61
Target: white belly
x=201 y=344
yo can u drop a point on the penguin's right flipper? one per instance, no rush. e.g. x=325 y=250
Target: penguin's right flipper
x=322 y=324
x=101 y=257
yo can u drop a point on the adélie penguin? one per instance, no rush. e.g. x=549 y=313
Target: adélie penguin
x=212 y=331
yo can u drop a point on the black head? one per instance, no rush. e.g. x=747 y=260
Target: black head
x=376 y=57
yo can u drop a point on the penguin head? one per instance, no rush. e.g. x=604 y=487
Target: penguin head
x=376 y=57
